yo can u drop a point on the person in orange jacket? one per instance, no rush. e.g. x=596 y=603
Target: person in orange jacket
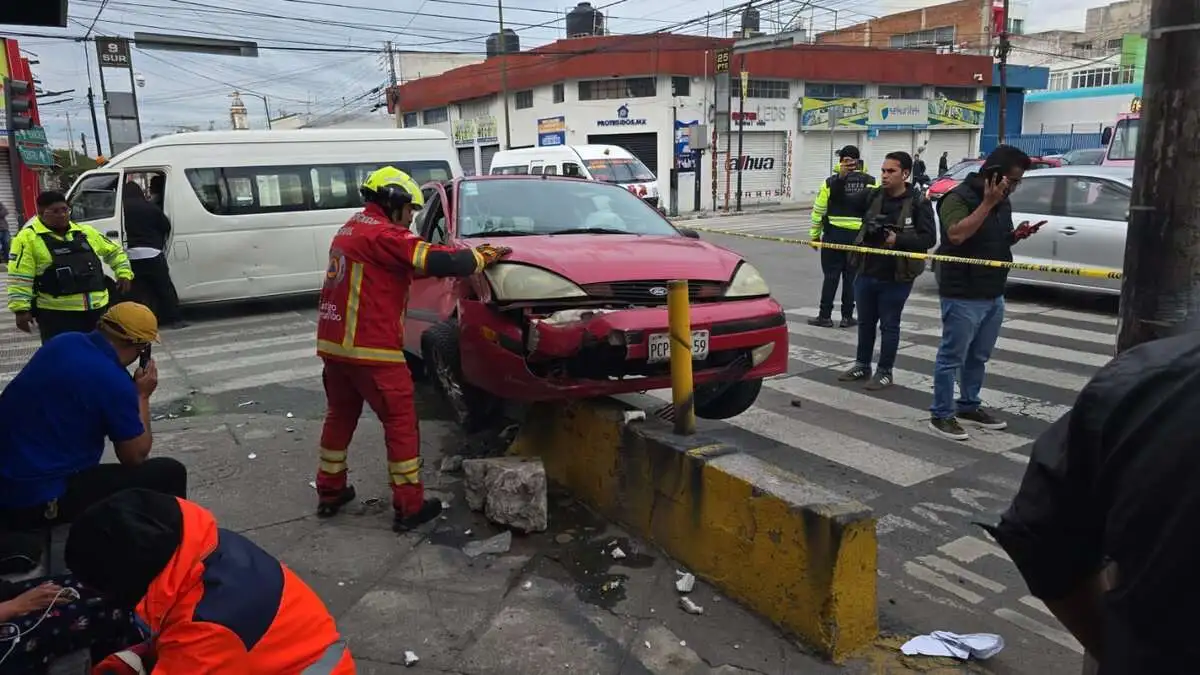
x=212 y=601
x=360 y=337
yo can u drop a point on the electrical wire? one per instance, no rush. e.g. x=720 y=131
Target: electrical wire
x=100 y=11
x=18 y=634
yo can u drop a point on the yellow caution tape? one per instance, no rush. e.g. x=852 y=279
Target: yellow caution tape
x=1090 y=272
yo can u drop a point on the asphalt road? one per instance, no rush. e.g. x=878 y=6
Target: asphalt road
x=938 y=571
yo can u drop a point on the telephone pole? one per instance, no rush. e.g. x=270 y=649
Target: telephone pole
x=1160 y=293
x=503 y=40
x=1002 y=51
x=70 y=140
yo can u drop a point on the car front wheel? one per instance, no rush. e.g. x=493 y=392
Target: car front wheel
x=473 y=409
x=721 y=401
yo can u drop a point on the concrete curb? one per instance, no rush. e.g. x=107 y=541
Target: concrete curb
x=806 y=561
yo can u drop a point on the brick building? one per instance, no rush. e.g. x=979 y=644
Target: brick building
x=964 y=26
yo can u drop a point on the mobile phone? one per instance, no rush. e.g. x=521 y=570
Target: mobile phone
x=144 y=358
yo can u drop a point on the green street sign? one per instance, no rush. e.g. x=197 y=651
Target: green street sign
x=33 y=147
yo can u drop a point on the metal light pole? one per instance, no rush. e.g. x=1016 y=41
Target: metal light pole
x=1002 y=52
x=504 y=74
x=266 y=107
x=741 y=164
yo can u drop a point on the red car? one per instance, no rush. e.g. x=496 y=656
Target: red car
x=578 y=309
x=946 y=182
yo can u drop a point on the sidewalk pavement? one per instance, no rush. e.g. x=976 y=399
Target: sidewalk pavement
x=746 y=211
x=557 y=602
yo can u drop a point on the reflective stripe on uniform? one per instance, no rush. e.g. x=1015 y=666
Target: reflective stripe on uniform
x=420 y=253
x=329 y=661
x=406 y=472
x=333 y=461
x=352 y=303
x=480 y=262
x=849 y=223
x=347 y=348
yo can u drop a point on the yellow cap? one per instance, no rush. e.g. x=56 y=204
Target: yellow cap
x=131 y=321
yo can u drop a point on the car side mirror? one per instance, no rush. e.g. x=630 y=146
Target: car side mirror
x=688 y=232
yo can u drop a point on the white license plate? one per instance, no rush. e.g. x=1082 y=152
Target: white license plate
x=660 y=346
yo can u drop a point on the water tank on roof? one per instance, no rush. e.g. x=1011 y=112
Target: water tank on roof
x=584 y=21
x=750 y=20
x=506 y=42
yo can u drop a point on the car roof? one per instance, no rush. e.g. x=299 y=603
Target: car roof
x=1123 y=174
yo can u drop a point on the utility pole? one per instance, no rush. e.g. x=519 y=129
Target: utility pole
x=1002 y=51
x=503 y=41
x=741 y=130
x=392 y=96
x=1160 y=293
x=83 y=143
x=70 y=143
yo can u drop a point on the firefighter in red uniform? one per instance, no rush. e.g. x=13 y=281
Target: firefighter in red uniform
x=360 y=337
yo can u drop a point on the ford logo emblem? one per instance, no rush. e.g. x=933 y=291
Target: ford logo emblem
x=658 y=291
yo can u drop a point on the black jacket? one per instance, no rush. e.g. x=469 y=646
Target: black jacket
x=145 y=225
x=992 y=241
x=1118 y=478
x=918 y=236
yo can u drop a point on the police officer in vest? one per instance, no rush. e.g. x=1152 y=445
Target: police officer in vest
x=837 y=216
x=900 y=219
x=55 y=277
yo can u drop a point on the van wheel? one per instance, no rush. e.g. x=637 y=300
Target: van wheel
x=721 y=401
x=473 y=409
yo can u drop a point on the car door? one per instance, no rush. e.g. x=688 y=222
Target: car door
x=1093 y=228
x=96 y=201
x=1036 y=200
x=430 y=299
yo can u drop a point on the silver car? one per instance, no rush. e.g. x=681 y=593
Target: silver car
x=1086 y=209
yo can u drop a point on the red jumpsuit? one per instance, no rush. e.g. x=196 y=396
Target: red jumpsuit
x=360 y=336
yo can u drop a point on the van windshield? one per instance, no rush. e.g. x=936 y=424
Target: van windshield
x=619 y=171
x=1125 y=140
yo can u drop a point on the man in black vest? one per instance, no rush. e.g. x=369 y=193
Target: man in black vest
x=836 y=218
x=976 y=222
x=898 y=218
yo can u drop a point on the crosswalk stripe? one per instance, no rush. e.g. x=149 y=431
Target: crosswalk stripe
x=895 y=414
x=1054 y=330
x=1084 y=317
x=234 y=346
x=873 y=460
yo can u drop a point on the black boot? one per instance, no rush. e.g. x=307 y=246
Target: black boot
x=432 y=508
x=329 y=506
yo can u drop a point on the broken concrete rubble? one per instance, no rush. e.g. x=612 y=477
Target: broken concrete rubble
x=494 y=545
x=510 y=491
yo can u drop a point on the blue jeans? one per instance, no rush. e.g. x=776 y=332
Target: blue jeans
x=969 y=332
x=879 y=302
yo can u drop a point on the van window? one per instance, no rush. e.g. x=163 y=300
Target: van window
x=536 y=170
x=274 y=189
x=619 y=171
x=510 y=170
x=95 y=197
x=551 y=170
x=571 y=169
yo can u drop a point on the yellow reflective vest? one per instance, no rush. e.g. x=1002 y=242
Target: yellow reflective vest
x=29 y=257
x=846 y=212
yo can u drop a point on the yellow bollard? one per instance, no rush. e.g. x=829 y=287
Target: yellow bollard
x=680 y=322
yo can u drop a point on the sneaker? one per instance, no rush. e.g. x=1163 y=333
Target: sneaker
x=822 y=321
x=856 y=373
x=329 y=505
x=848 y=322
x=882 y=380
x=431 y=509
x=981 y=418
x=948 y=427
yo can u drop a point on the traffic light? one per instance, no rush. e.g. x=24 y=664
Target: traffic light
x=18 y=97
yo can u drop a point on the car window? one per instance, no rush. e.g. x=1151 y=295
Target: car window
x=961 y=171
x=1035 y=195
x=95 y=197
x=1097 y=199
x=523 y=206
x=434 y=226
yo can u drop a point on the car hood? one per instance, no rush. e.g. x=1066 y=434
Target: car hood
x=942 y=184
x=606 y=258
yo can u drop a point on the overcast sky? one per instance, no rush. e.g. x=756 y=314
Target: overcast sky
x=333 y=54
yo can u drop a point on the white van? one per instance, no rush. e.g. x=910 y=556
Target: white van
x=253 y=212
x=608 y=163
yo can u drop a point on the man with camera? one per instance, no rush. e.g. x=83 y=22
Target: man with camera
x=898 y=219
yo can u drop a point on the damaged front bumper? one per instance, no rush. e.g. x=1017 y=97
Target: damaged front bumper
x=605 y=351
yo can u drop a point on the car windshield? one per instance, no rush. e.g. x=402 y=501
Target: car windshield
x=524 y=206
x=619 y=171
x=1125 y=140
x=962 y=170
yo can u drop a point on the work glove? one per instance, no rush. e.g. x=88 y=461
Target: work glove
x=137 y=660
x=492 y=254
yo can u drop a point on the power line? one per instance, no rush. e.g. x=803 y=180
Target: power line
x=96 y=18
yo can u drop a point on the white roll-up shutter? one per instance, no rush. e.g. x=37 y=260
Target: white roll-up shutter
x=486 y=154
x=887 y=141
x=466 y=158
x=765 y=176
x=8 y=191
x=817 y=160
x=955 y=142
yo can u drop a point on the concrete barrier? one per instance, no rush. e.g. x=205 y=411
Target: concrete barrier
x=800 y=556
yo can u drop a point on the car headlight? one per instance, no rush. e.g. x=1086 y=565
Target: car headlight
x=747 y=283
x=513 y=282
